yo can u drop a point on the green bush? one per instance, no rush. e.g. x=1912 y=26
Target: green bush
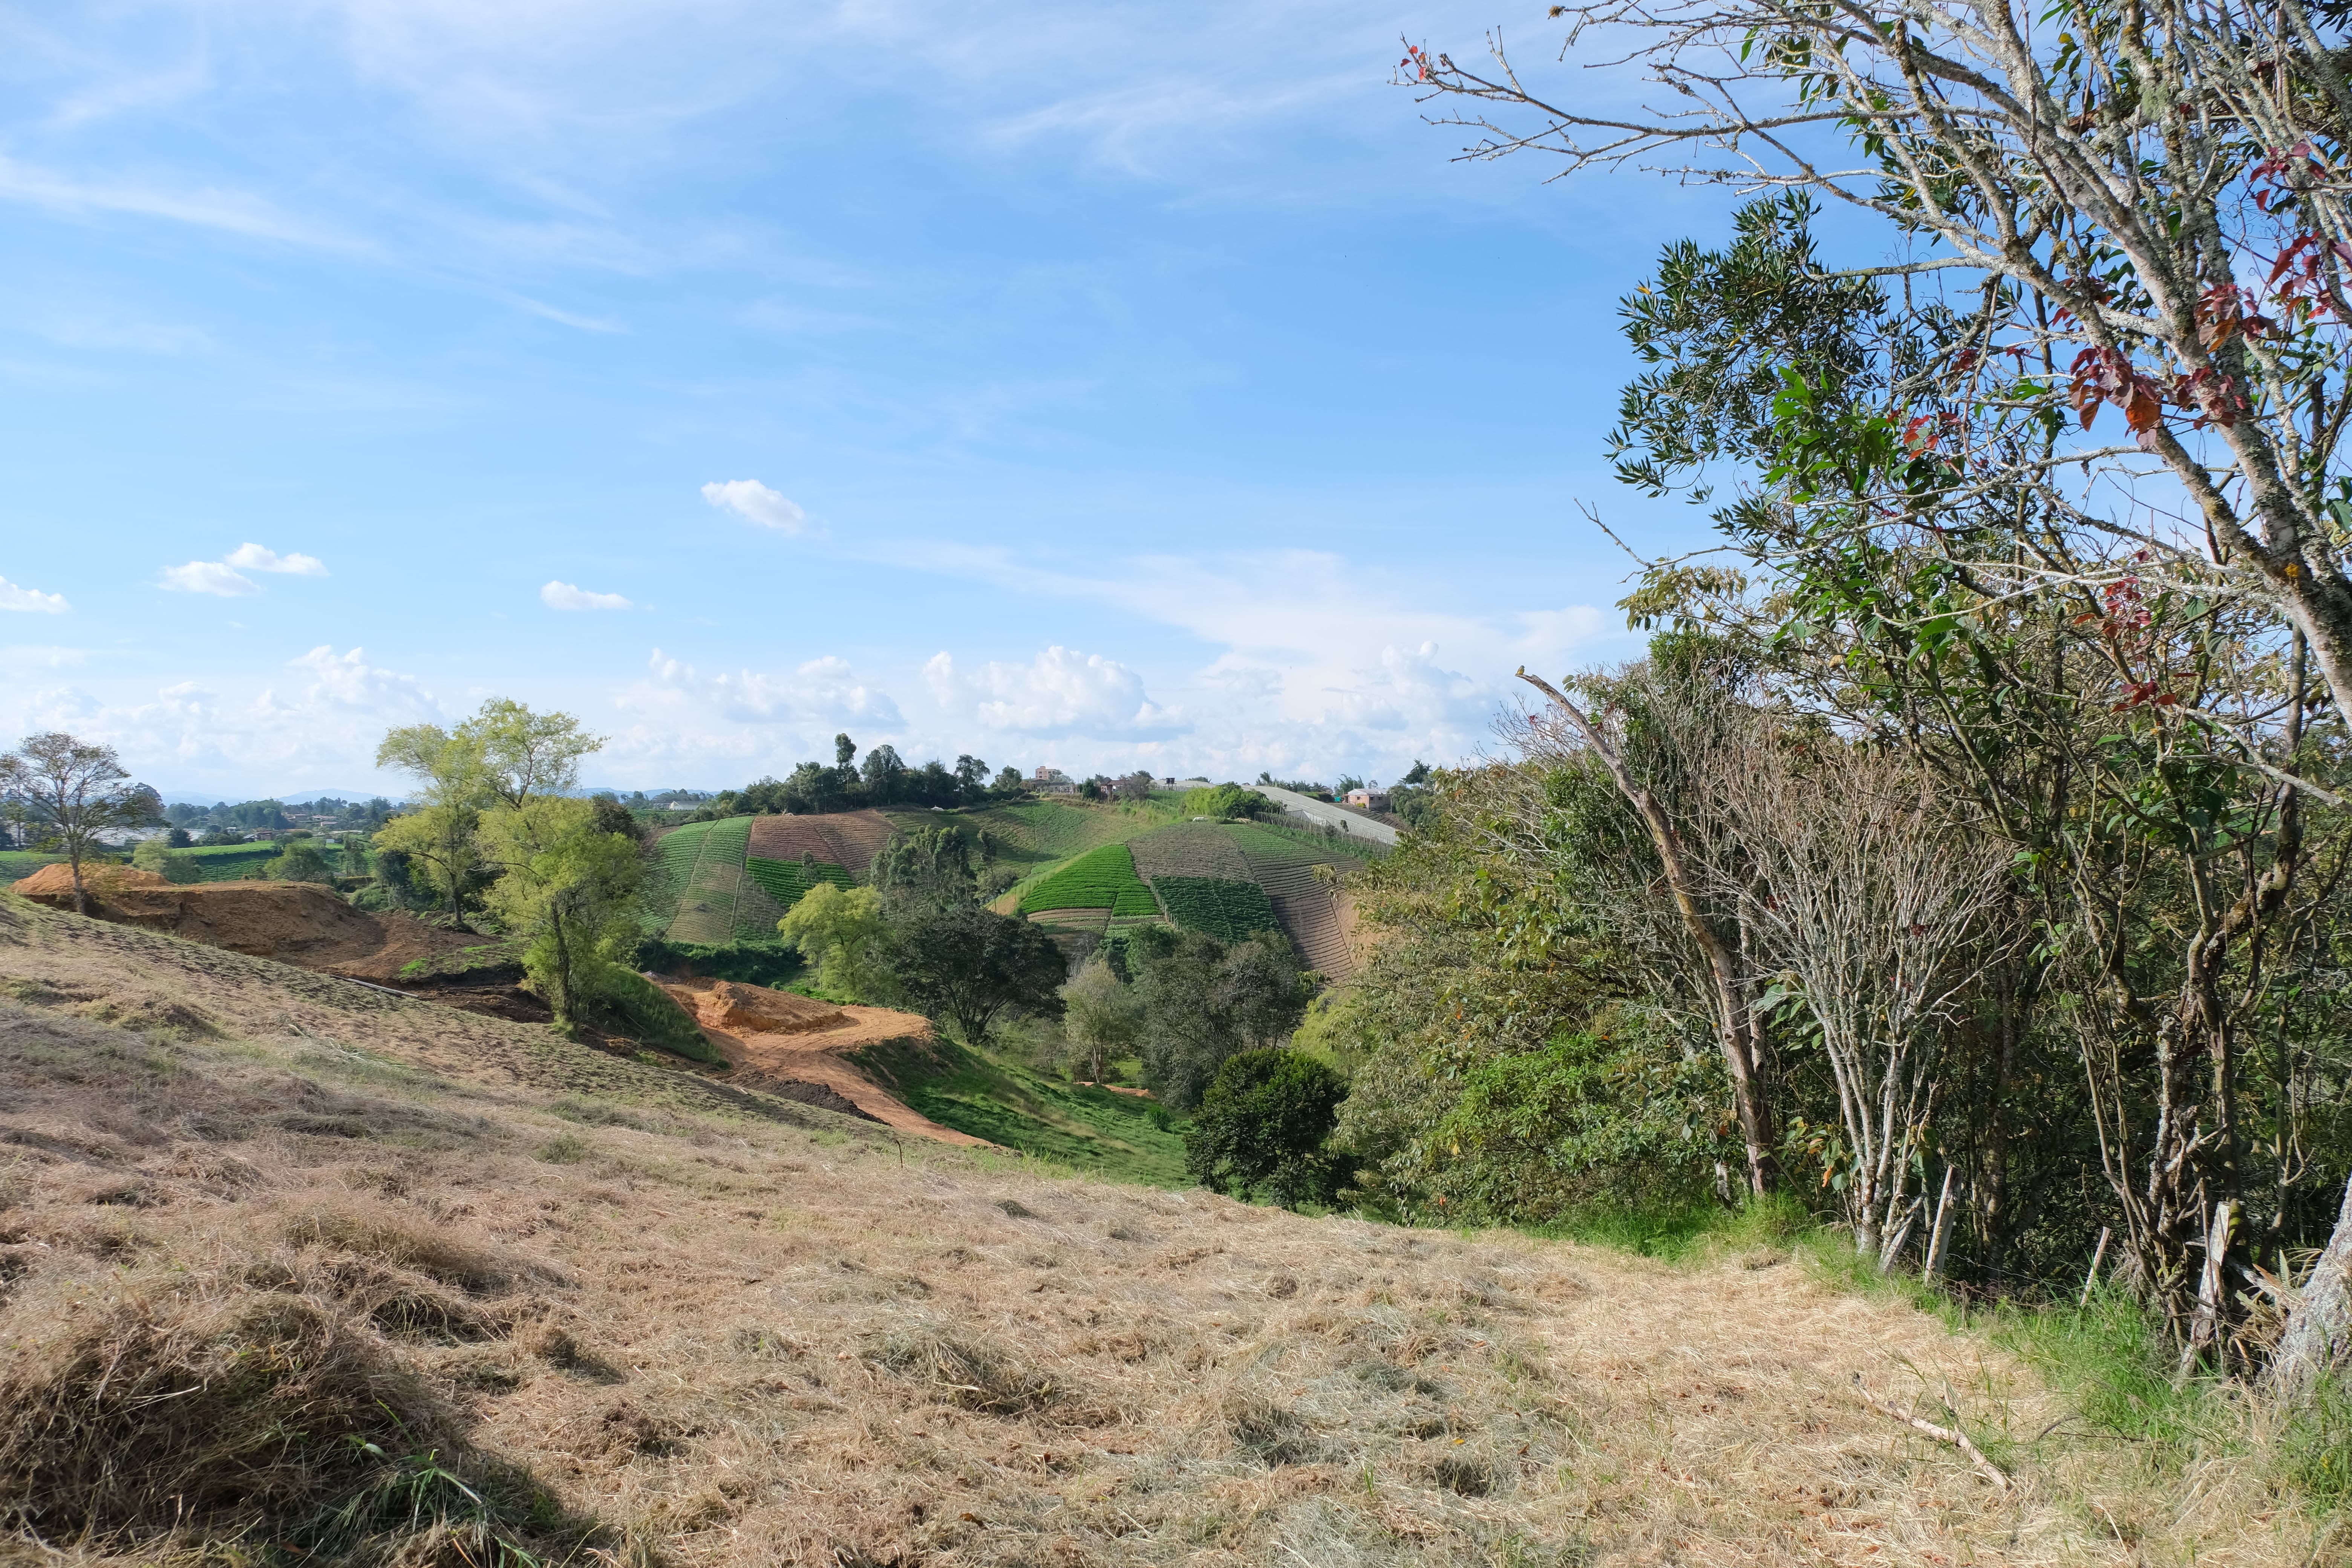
x=1267 y=1121
x=155 y=854
x=297 y=862
x=647 y=1013
x=751 y=963
x=1228 y=803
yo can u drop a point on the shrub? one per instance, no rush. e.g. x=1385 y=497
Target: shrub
x=298 y=861
x=1226 y=802
x=1265 y=1123
x=155 y=854
x=751 y=963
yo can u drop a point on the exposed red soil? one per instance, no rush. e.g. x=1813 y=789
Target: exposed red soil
x=790 y=1045
x=59 y=878
x=295 y=923
x=849 y=840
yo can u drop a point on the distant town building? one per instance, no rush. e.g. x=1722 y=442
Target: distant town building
x=1369 y=799
x=1052 y=781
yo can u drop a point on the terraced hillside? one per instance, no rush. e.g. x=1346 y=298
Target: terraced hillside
x=849 y=840
x=1308 y=904
x=701 y=879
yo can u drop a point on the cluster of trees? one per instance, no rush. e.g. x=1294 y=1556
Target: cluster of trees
x=1971 y=846
x=224 y=823
x=495 y=825
x=882 y=779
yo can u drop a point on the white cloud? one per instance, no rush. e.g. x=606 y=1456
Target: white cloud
x=826 y=690
x=254 y=558
x=209 y=577
x=565 y=597
x=226 y=578
x=755 y=502
x=1060 y=692
x=12 y=598
x=38 y=655
x=318 y=725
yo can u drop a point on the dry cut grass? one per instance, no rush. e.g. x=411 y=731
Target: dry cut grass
x=269 y=1302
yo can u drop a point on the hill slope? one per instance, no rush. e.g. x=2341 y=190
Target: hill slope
x=290 y=1272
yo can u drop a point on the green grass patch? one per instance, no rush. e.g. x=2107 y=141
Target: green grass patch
x=1226 y=910
x=16 y=865
x=489 y=963
x=1101 y=879
x=786 y=881
x=1675 y=1232
x=1093 y=1131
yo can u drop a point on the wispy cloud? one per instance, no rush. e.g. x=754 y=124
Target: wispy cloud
x=226 y=579
x=209 y=577
x=32 y=600
x=566 y=596
x=201 y=205
x=755 y=502
x=566 y=318
x=254 y=558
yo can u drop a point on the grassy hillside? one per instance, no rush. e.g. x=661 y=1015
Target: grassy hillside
x=301 y=1273
x=1091 y=1132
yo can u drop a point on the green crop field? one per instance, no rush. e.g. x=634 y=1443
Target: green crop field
x=786 y=881
x=1101 y=879
x=227 y=862
x=1228 y=910
x=1281 y=840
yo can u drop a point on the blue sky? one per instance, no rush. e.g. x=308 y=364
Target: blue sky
x=1078 y=383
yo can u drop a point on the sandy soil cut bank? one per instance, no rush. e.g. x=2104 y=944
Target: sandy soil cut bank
x=294 y=922
x=777 y=1039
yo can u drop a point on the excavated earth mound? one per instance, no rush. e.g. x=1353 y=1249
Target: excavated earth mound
x=295 y=923
x=51 y=880
x=849 y=840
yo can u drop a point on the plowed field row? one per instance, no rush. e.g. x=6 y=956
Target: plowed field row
x=785 y=880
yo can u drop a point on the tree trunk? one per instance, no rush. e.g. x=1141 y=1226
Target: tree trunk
x=1731 y=1012
x=2319 y=1324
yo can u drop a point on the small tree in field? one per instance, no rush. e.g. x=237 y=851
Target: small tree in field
x=1105 y=1017
x=76 y=791
x=1264 y=1122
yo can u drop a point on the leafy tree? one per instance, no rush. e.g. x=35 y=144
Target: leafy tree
x=521 y=755
x=1104 y=1017
x=928 y=868
x=75 y=791
x=1265 y=1120
x=157 y=855
x=178 y=838
x=964 y=965
x=566 y=888
x=1205 y=1001
x=971 y=777
x=299 y=860
x=883 y=775
x=842 y=932
x=440 y=835
x=1009 y=784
